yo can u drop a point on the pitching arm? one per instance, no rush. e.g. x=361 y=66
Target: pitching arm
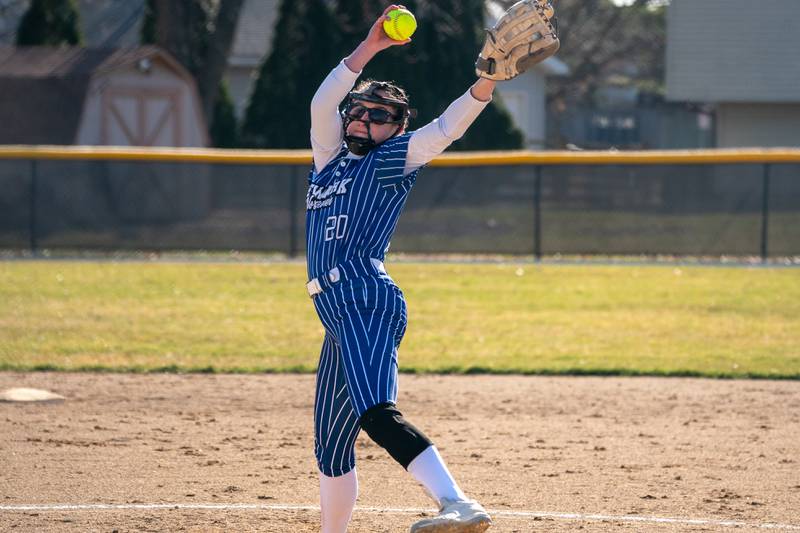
x=327 y=134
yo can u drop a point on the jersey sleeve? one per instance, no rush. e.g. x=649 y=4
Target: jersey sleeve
x=390 y=163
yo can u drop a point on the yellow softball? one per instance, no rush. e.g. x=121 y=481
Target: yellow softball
x=401 y=24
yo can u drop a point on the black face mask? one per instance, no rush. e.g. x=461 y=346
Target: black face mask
x=354 y=112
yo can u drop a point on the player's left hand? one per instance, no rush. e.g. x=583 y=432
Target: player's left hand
x=377 y=39
x=524 y=36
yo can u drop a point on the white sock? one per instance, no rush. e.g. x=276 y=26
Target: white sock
x=429 y=469
x=337 y=497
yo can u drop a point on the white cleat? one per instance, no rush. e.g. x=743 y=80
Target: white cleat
x=456 y=516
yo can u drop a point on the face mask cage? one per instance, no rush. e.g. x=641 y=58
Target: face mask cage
x=351 y=113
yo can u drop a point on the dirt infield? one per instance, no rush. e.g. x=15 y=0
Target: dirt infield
x=545 y=454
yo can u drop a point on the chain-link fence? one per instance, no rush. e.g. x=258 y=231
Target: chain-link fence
x=712 y=207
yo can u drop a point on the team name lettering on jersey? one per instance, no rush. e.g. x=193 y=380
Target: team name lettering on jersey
x=321 y=197
x=352 y=205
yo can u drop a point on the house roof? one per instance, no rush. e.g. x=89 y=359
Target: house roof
x=254 y=31
x=42 y=88
x=68 y=61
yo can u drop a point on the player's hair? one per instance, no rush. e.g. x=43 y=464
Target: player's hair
x=389 y=88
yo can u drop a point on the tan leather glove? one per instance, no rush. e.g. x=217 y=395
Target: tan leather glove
x=524 y=36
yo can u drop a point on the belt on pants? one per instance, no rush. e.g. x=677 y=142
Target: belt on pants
x=359 y=267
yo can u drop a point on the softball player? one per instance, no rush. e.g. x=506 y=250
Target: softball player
x=365 y=164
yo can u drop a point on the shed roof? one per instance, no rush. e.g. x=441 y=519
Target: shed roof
x=67 y=61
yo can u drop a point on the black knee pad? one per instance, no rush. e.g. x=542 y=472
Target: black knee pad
x=386 y=426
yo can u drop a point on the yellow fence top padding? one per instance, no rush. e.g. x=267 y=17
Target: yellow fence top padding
x=452 y=159
x=186 y=155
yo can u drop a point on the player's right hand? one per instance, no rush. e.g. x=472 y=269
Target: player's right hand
x=377 y=38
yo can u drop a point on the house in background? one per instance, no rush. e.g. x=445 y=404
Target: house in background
x=746 y=65
x=98 y=96
x=252 y=43
x=525 y=96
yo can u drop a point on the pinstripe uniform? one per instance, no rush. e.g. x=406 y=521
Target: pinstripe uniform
x=352 y=210
x=364 y=168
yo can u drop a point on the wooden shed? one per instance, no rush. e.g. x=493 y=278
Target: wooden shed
x=136 y=96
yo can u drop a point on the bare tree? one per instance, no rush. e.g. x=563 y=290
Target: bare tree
x=199 y=33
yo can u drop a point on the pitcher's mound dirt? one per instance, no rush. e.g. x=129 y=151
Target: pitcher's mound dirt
x=648 y=447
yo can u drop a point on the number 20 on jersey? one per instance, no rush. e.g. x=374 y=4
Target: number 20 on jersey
x=335 y=228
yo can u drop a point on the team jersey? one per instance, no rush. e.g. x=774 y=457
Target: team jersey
x=353 y=205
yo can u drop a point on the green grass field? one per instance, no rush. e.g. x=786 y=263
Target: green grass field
x=525 y=318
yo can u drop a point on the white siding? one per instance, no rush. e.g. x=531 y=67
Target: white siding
x=524 y=97
x=761 y=125
x=734 y=51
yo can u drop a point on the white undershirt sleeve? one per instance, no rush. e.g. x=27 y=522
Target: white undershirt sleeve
x=434 y=138
x=326 y=124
